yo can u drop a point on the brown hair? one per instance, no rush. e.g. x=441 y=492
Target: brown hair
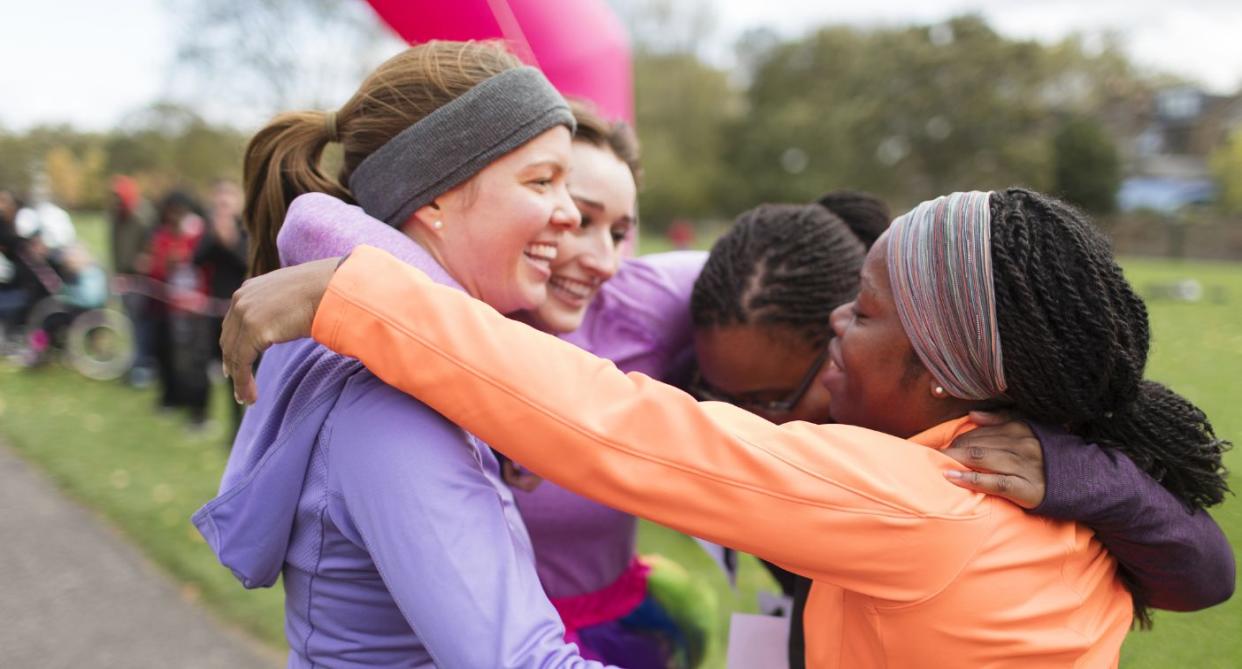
x=616 y=136
x=283 y=160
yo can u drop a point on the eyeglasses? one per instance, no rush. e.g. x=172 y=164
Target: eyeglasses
x=703 y=391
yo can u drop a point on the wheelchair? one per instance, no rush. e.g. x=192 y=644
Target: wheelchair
x=76 y=326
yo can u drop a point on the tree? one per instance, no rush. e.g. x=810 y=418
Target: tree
x=683 y=114
x=273 y=55
x=65 y=176
x=667 y=26
x=18 y=164
x=907 y=113
x=71 y=159
x=167 y=145
x=1086 y=167
x=1226 y=163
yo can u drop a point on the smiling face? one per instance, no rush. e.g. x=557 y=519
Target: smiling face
x=872 y=366
x=604 y=192
x=875 y=378
x=497 y=234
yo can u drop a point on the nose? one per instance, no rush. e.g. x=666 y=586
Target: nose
x=840 y=318
x=565 y=214
x=600 y=255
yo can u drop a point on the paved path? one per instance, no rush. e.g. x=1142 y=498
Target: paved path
x=74 y=594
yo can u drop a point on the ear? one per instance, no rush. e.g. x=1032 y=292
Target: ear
x=426 y=218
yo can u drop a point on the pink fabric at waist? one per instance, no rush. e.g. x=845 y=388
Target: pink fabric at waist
x=611 y=602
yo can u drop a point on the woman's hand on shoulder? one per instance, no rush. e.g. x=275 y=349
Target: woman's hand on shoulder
x=1004 y=458
x=269 y=309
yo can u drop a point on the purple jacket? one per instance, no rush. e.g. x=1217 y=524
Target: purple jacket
x=640 y=321
x=398 y=542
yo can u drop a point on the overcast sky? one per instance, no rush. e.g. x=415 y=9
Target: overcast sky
x=88 y=62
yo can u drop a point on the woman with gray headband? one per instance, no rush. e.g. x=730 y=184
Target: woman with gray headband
x=975 y=300
x=408 y=551
x=613 y=605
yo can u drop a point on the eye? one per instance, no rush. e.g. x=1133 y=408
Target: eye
x=543 y=180
x=619 y=233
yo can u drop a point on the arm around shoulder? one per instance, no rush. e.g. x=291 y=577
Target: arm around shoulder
x=1181 y=560
x=823 y=501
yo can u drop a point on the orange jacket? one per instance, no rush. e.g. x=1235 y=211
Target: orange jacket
x=909 y=570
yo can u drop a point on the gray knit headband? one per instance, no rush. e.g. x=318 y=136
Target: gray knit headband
x=455 y=142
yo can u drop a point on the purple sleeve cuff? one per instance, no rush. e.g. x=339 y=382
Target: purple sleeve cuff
x=1180 y=560
x=1075 y=485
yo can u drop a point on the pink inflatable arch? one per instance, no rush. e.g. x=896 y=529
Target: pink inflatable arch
x=579 y=44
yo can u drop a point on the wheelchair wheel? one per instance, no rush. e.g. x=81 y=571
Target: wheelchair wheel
x=100 y=344
x=50 y=317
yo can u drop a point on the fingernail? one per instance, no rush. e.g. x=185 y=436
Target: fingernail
x=952 y=474
x=224 y=369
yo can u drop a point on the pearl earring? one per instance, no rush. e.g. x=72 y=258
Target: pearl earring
x=938 y=391
x=438 y=225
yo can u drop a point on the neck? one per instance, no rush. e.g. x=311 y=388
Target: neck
x=935 y=412
x=532 y=319
x=433 y=246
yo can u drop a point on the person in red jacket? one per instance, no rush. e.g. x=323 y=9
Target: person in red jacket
x=181 y=340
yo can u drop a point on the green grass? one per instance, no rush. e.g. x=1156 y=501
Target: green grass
x=105 y=445
x=1198 y=351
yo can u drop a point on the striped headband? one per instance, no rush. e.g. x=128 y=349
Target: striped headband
x=940 y=265
x=456 y=141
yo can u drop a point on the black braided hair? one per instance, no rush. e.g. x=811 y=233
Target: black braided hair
x=866 y=214
x=1075 y=340
x=780 y=264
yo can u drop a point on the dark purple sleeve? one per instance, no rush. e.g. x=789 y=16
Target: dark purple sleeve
x=1180 y=560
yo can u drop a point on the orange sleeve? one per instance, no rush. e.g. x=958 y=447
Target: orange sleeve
x=865 y=511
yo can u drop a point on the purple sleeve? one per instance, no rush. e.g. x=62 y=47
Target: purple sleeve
x=319 y=226
x=662 y=283
x=641 y=318
x=1180 y=560
x=437 y=530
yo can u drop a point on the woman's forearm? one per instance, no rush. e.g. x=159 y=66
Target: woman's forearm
x=1181 y=561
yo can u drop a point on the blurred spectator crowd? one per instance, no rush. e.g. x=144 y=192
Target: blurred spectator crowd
x=150 y=313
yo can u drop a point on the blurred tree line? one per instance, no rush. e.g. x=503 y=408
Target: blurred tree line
x=907 y=112
x=162 y=146
x=1226 y=165
x=244 y=60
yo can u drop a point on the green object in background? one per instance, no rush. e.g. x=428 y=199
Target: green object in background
x=688 y=599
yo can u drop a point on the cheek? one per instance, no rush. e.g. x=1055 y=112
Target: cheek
x=865 y=379
x=526 y=209
x=570 y=249
x=499 y=232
